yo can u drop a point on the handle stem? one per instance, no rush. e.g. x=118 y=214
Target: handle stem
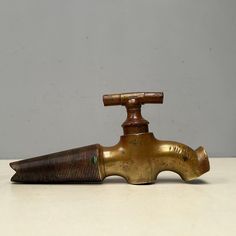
x=134 y=122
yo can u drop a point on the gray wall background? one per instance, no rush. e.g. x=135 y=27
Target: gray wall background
x=57 y=59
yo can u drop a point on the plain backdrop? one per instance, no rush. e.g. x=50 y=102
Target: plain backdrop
x=57 y=59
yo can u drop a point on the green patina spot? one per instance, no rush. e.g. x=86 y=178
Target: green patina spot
x=94 y=160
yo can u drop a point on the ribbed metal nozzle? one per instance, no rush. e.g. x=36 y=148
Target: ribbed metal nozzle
x=75 y=165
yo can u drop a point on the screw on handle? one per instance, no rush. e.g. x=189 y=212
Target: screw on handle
x=140 y=97
x=134 y=123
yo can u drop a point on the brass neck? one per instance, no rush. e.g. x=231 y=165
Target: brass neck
x=134 y=123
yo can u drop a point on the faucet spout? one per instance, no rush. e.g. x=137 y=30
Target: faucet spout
x=181 y=159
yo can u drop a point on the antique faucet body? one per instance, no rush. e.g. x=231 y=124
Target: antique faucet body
x=138 y=157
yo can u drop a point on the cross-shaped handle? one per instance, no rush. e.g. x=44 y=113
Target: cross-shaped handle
x=134 y=123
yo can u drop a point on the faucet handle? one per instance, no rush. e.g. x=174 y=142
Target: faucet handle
x=134 y=123
x=140 y=97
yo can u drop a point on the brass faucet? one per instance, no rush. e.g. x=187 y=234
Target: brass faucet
x=138 y=157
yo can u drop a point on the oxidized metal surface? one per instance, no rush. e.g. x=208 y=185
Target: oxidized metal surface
x=75 y=165
x=138 y=157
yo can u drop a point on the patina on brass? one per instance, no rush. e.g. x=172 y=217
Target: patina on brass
x=138 y=157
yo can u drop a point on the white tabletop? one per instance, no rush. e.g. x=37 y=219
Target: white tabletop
x=169 y=207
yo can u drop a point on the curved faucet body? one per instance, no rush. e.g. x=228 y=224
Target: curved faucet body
x=138 y=156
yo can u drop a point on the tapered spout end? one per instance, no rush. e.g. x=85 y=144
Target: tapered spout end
x=18 y=176
x=11 y=164
x=79 y=165
x=15 y=178
x=14 y=166
x=204 y=165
